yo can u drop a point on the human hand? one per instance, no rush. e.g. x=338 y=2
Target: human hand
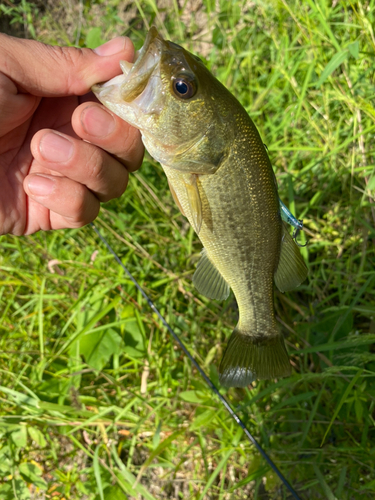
x=61 y=152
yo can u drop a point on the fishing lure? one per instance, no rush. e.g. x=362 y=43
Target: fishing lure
x=290 y=219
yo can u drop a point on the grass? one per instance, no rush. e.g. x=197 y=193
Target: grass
x=96 y=400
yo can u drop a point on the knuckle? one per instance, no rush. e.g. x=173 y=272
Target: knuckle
x=85 y=214
x=95 y=164
x=79 y=206
x=84 y=206
x=121 y=184
x=71 y=58
x=101 y=179
x=116 y=188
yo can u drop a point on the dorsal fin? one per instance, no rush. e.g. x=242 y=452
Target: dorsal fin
x=208 y=280
x=291 y=270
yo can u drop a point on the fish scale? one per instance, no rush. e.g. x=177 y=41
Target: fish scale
x=222 y=180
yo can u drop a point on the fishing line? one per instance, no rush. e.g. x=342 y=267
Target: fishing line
x=208 y=381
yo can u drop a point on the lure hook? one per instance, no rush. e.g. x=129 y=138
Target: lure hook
x=296 y=232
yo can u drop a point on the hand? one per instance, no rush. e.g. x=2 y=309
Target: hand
x=61 y=152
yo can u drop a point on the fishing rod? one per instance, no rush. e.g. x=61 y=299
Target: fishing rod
x=208 y=381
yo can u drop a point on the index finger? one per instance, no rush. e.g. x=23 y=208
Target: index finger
x=98 y=125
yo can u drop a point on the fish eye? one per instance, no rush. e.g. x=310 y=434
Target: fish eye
x=184 y=86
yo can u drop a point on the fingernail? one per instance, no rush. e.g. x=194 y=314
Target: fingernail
x=97 y=121
x=54 y=147
x=112 y=47
x=39 y=185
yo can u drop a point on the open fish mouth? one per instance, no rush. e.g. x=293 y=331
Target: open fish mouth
x=130 y=86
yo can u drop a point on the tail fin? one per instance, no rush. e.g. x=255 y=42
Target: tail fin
x=248 y=358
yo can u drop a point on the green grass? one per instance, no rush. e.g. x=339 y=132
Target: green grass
x=96 y=401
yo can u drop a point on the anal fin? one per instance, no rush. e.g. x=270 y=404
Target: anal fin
x=291 y=270
x=208 y=280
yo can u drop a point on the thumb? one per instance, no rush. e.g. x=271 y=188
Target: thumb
x=46 y=70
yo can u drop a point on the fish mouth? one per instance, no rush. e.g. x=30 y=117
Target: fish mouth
x=129 y=86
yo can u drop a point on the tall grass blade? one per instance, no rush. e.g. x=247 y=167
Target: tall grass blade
x=312 y=415
x=215 y=473
x=326 y=489
x=342 y=401
x=40 y=318
x=97 y=472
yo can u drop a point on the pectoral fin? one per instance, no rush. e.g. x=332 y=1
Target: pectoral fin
x=174 y=196
x=195 y=202
x=292 y=270
x=208 y=280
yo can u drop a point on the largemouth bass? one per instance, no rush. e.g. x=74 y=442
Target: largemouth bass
x=222 y=180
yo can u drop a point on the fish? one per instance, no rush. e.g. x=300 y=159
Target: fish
x=222 y=181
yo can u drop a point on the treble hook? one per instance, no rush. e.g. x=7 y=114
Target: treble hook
x=296 y=232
